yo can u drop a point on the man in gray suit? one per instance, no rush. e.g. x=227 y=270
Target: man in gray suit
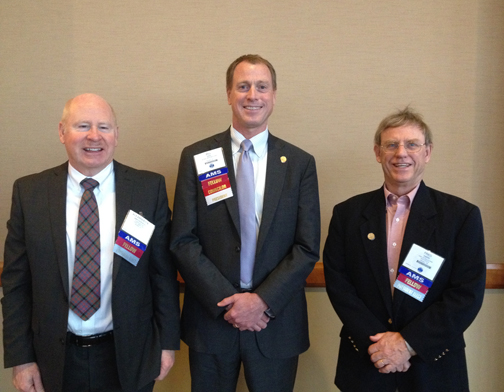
x=80 y=315
x=245 y=243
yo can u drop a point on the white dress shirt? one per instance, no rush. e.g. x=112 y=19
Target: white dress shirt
x=259 y=157
x=101 y=321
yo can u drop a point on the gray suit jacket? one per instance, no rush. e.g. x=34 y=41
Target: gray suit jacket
x=35 y=279
x=358 y=285
x=206 y=243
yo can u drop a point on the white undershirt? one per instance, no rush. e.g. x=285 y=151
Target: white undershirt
x=101 y=321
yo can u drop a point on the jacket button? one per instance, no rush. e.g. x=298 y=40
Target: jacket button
x=62 y=341
x=390 y=321
x=238 y=249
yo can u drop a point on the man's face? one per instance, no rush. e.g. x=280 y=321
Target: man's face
x=251 y=98
x=403 y=170
x=89 y=134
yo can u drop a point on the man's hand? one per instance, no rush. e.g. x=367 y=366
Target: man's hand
x=26 y=378
x=167 y=361
x=245 y=311
x=389 y=352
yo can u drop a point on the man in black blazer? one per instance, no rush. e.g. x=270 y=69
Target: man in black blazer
x=129 y=341
x=226 y=320
x=390 y=340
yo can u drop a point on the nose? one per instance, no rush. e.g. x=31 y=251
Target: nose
x=401 y=150
x=93 y=133
x=251 y=94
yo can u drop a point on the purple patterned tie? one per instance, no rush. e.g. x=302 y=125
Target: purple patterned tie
x=85 y=299
x=246 y=204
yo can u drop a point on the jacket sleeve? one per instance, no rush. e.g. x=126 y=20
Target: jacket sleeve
x=17 y=292
x=163 y=276
x=358 y=320
x=289 y=275
x=433 y=330
x=200 y=274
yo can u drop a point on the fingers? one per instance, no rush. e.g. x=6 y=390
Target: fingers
x=253 y=328
x=226 y=302
x=376 y=337
x=381 y=363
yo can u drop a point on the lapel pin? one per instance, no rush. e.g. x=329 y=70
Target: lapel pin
x=283 y=159
x=371 y=236
x=140 y=213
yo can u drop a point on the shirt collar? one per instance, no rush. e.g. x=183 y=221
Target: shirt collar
x=260 y=142
x=410 y=195
x=75 y=177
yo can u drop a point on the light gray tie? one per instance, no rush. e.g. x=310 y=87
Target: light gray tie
x=246 y=204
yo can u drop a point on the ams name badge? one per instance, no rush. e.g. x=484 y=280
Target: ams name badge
x=417 y=273
x=213 y=175
x=133 y=237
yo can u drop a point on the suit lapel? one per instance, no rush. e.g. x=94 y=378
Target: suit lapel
x=124 y=193
x=224 y=140
x=56 y=193
x=374 y=235
x=419 y=230
x=275 y=176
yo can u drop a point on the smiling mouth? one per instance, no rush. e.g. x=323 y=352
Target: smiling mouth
x=93 y=149
x=252 y=107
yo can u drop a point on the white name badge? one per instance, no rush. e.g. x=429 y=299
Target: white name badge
x=423 y=262
x=209 y=160
x=213 y=175
x=417 y=273
x=133 y=238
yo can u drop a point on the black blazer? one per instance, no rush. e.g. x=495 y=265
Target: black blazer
x=358 y=285
x=145 y=305
x=206 y=243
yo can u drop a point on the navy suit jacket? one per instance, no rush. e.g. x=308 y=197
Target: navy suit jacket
x=206 y=243
x=145 y=299
x=358 y=285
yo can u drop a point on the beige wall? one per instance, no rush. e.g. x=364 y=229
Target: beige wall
x=342 y=66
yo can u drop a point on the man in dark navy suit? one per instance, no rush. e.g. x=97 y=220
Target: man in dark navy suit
x=391 y=339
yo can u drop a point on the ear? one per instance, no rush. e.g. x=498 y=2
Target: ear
x=428 y=152
x=228 y=93
x=61 y=132
x=377 y=153
x=116 y=132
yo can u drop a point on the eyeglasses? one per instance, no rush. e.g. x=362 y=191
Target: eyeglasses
x=410 y=146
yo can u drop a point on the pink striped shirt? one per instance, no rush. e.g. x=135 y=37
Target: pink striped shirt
x=398 y=209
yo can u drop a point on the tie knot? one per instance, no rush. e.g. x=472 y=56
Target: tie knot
x=246 y=144
x=89 y=184
x=395 y=200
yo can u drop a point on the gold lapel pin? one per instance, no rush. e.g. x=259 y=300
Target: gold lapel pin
x=371 y=236
x=283 y=159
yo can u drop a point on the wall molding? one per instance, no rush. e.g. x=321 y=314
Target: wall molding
x=494 y=277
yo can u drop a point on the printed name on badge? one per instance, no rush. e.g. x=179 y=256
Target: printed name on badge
x=213 y=175
x=417 y=273
x=133 y=238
